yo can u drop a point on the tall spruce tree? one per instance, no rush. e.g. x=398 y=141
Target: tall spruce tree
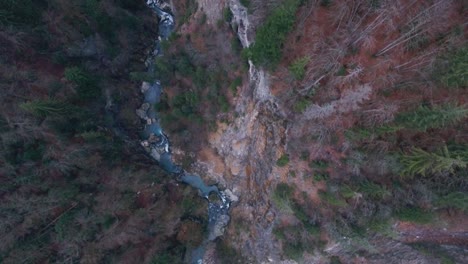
x=425 y=117
x=421 y=162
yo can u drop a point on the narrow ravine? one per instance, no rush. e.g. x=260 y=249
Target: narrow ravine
x=157 y=144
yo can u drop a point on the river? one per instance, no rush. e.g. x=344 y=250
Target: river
x=157 y=143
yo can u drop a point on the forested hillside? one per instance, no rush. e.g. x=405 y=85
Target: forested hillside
x=75 y=186
x=341 y=128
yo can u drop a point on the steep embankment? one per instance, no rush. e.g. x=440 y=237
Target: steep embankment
x=249 y=147
x=314 y=147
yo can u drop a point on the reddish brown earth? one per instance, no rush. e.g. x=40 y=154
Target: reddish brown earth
x=452 y=230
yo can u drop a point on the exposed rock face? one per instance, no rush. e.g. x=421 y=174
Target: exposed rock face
x=231 y=196
x=241 y=19
x=213 y=9
x=249 y=148
x=218 y=229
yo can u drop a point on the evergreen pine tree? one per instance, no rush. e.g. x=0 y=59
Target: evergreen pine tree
x=421 y=162
x=438 y=116
x=46 y=108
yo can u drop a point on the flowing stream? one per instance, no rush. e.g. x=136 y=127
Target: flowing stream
x=157 y=144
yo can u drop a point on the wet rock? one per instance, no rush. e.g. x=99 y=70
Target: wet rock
x=145 y=107
x=241 y=18
x=155 y=154
x=141 y=114
x=231 y=196
x=219 y=227
x=145 y=86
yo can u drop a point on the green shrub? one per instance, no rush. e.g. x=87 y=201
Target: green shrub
x=282 y=196
x=299 y=212
x=321 y=176
x=236 y=47
x=382 y=227
x=374 y=191
x=297 y=68
x=434 y=251
x=87 y=85
x=77 y=76
x=375 y=4
x=164 y=258
x=91 y=8
x=142 y=77
x=267 y=48
x=163 y=70
x=223 y=103
x=191 y=8
x=92 y=136
x=19 y=152
x=458 y=200
x=312 y=229
x=283 y=160
x=185 y=104
x=305 y=155
x=245 y=3
x=279 y=233
x=63 y=226
x=236 y=83
x=283 y=191
x=347 y=192
x=331 y=199
x=293 y=249
x=325 y=3
x=227 y=14
x=416 y=215
x=318 y=164
x=341 y=71
x=301 y=105
x=228 y=254
x=108 y=221
x=4 y=127
x=131 y=4
x=184 y=65
x=454 y=72
x=200 y=77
